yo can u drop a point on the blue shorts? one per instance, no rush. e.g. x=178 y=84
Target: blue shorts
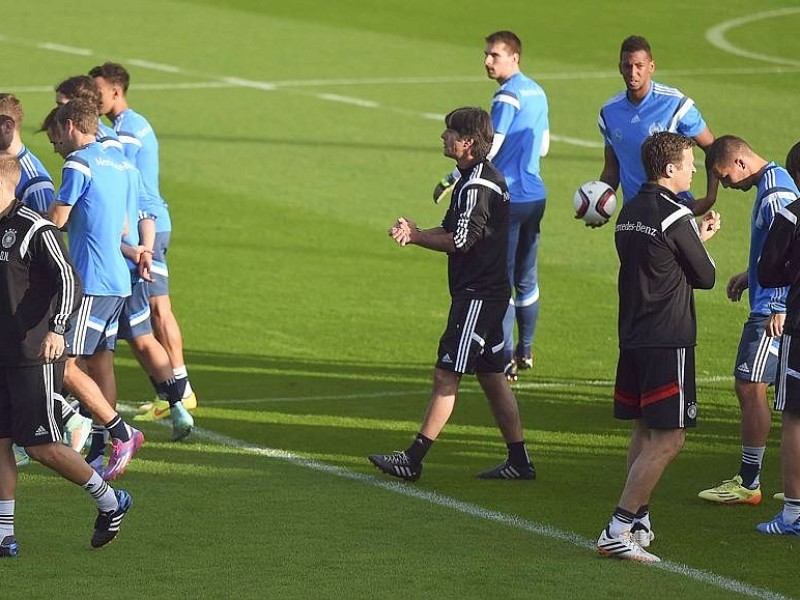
x=160 y=284
x=93 y=327
x=757 y=358
x=134 y=321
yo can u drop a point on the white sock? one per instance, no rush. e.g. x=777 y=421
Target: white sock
x=791 y=510
x=182 y=373
x=102 y=493
x=6 y=518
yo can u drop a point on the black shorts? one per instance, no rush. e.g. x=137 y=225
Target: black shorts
x=787 y=383
x=30 y=407
x=473 y=340
x=657 y=385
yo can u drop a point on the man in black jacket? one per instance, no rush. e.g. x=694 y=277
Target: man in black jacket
x=474 y=235
x=39 y=289
x=662 y=260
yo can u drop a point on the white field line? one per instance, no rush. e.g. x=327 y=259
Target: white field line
x=473 y=510
x=716 y=36
x=222 y=81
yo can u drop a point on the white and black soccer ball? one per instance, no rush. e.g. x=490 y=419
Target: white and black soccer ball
x=594 y=202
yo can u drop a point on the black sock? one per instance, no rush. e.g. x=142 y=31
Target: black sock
x=98 y=445
x=518 y=454
x=417 y=450
x=117 y=428
x=171 y=390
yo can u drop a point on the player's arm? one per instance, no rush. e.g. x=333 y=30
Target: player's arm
x=58 y=213
x=610 y=172
x=50 y=252
x=702 y=205
x=692 y=254
x=433 y=239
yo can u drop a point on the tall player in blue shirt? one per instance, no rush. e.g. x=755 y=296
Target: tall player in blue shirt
x=643 y=108
x=141 y=147
x=35 y=188
x=96 y=187
x=737 y=166
x=521 y=137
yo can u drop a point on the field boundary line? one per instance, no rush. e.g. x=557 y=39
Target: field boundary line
x=479 y=512
x=716 y=35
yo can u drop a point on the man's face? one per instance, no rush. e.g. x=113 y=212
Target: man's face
x=636 y=69
x=6 y=132
x=108 y=94
x=733 y=174
x=501 y=64
x=682 y=176
x=57 y=138
x=453 y=146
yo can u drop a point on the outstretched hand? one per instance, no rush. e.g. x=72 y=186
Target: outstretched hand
x=401 y=231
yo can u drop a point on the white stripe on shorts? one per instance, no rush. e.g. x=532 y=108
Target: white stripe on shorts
x=762 y=355
x=47 y=374
x=783 y=367
x=681 y=395
x=466 y=335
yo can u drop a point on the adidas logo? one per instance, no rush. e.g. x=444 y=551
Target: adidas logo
x=636 y=119
x=40 y=431
x=743 y=368
x=447 y=360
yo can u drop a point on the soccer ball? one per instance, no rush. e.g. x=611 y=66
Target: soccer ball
x=594 y=202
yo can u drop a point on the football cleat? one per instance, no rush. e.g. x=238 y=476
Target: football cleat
x=732 y=491
x=507 y=470
x=397 y=464
x=623 y=547
x=77 y=431
x=9 y=548
x=524 y=362
x=189 y=402
x=20 y=456
x=642 y=535
x=511 y=371
x=182 y=422
x=777 y=526
x=106 y=526
x=779 y=496
x=158 y=409
x=122 y=453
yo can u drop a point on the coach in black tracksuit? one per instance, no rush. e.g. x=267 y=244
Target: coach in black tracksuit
x=662 y=260
x=474 y=234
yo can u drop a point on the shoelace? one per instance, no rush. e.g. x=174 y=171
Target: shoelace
x=398 y=458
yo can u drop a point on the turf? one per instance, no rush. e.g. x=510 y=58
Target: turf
x=307 y=331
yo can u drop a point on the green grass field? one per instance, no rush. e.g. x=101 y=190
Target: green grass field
x=292 y=135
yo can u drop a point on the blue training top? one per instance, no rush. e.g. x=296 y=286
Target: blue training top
x=140 y=145
x=519 y=112
x=98 y=185
x=625 y=126
x=775 y=190
x=35 y=189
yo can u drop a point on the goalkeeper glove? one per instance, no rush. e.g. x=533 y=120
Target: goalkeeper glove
x=443 y=188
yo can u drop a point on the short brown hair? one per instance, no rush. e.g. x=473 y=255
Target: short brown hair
x=471 y=122
x=509 y=38
x=10 y=170
x=661 y=149
x=11 y=107
x=82 y=113
x=793 y=163
x=724 y=149
x=80 y=86
x=635 y=43
x=114 y=73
